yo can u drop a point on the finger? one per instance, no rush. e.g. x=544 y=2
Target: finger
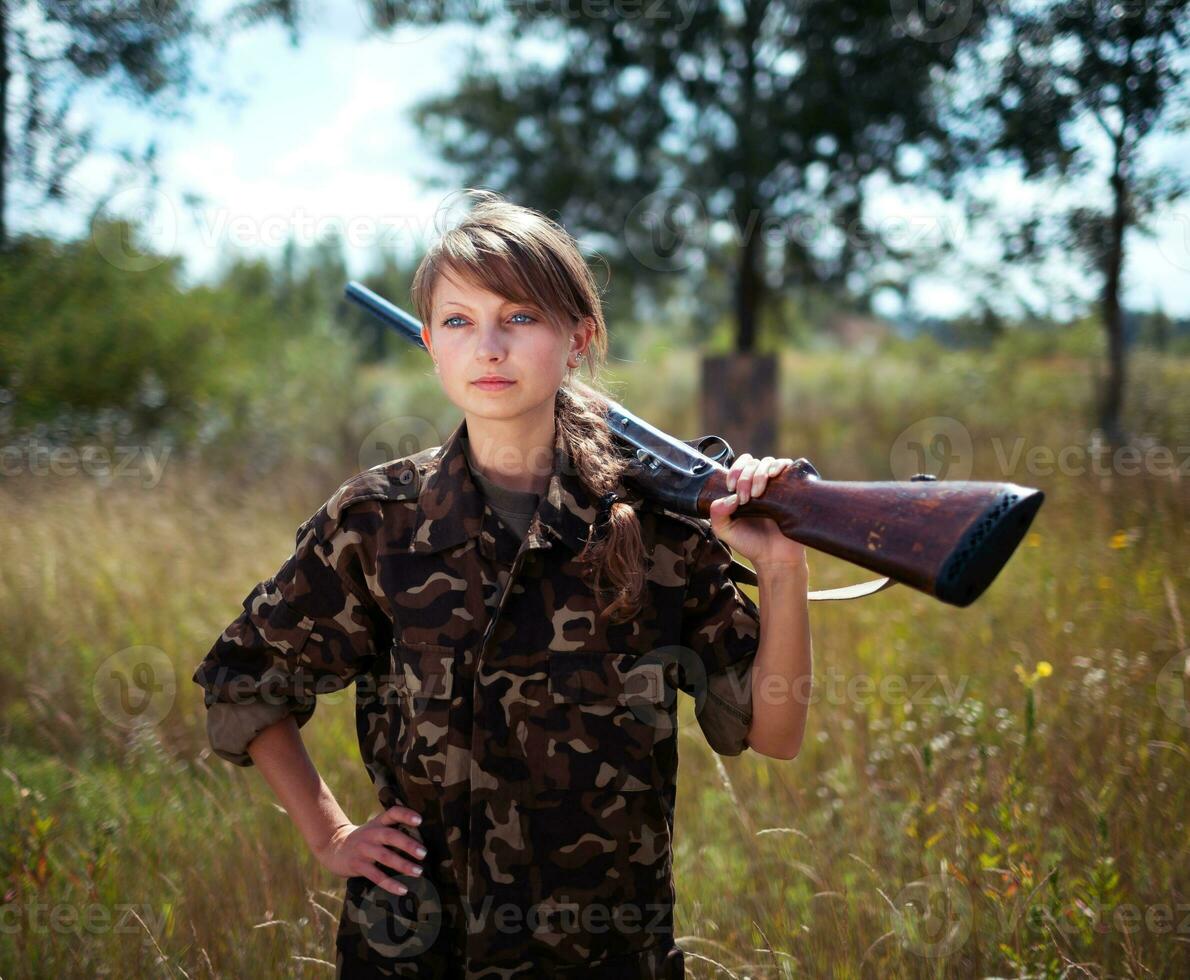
x=779 y=466
x=737 y=466
x=378 y=877
x=744 y=484
x=386 y=857
x=721 y=510
x=722 y=506
x=400 y=814
x=394 y=838
x=761 y=480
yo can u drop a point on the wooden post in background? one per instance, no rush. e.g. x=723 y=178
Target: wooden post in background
x=739 y=401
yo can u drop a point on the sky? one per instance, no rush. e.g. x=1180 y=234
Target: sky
x=293 y=141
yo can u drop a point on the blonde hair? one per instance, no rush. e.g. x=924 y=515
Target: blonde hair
x=525 y=257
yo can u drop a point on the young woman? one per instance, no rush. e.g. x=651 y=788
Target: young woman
x=516 y=621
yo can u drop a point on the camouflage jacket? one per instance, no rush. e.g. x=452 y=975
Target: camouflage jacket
x=537 y=740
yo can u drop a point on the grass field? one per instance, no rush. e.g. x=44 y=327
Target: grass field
x=1001 y=790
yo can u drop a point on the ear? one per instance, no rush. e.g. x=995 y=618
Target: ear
x=583 y=332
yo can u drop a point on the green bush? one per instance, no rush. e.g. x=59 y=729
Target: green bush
x=94 y=353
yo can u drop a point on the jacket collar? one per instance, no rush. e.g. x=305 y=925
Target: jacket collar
x=450 y=506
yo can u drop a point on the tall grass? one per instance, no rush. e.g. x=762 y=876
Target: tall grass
x=1015 y=807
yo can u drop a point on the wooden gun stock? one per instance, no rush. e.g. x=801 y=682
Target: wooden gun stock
x=947 y=538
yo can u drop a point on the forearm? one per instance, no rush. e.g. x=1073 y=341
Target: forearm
x=781 y=674
x=281 y=756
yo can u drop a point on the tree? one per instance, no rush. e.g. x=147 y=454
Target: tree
x=659 y=128
x=51 y=50
x=1117 y=66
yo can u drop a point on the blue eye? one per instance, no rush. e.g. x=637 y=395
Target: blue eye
x=528 y=318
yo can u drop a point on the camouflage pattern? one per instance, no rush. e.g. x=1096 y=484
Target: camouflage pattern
x=538 y=741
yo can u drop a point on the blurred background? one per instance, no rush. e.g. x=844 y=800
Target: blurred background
x=892 y=237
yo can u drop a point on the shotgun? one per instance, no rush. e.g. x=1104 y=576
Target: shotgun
x=946 y=538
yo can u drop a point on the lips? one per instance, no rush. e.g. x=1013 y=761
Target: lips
x=493 y=384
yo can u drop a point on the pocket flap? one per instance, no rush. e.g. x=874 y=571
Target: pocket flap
x=593 y=677
x=426 y=670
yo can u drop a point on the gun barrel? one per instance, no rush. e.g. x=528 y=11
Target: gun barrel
x=394 y=316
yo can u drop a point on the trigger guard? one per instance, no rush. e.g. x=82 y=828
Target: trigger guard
x=726 y=455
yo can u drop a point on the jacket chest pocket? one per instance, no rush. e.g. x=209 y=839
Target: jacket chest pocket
x=601 y=717
x=423 y=681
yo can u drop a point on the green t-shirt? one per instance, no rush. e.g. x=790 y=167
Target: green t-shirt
x=515 y=507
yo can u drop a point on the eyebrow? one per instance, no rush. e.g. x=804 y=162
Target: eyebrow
x=463 y=306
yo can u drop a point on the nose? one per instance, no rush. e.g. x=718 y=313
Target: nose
x=490 y=343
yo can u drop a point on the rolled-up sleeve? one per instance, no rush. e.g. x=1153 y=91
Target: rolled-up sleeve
x=721 y=626
x=232 y=727
x=312 y=628
x=727 y=714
